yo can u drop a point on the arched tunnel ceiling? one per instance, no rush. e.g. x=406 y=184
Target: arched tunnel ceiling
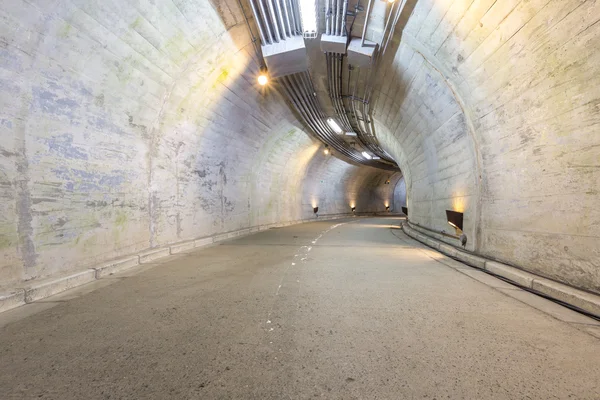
x=128 y=125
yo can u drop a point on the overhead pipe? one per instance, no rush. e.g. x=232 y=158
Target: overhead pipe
x=396 y=19
x=293 y=93
x=362 y=42
x=295 y=5
x=334 y=76
x=304 y=102
x=337 y=18
x=328 y=18
x=280 y=19
x=257 y=20
x=271 y=8
x=330 y=81
x=287 y=18
x=326 y=128
x=265 y=18
x=343 y=25
x=338 y=61
x=306 y=84
x=293 y=17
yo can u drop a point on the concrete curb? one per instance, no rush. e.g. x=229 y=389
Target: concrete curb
x=154 y=254
x=11 y=300
x=584 y=300
x=116 y=266
x=45 y=288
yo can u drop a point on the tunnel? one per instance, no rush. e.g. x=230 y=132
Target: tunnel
x=271 y=199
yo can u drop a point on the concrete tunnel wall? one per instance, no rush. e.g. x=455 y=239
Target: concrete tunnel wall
x=131 y=125
x=127 y=125
x=493 y=108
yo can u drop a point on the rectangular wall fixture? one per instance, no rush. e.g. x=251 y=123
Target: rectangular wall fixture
x=286 y=57
x=405 y=211
x=333 y=125
x=455 y=219
x=366 y=155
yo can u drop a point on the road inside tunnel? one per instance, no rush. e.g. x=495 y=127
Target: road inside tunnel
x=348 y=309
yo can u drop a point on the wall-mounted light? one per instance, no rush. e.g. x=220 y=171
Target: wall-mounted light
x=263 y=77
x=326 y=150
x=455 y=219
x=308 y=16
x=334 y=125
x=353 y=208
x=387 y=208
x=405 y=211
x=315 y=209
x=366 y=155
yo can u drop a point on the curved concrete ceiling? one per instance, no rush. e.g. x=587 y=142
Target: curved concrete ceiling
x=130 y=125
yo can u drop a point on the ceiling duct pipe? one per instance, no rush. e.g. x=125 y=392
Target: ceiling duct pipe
x=337 y=16
x=287 y=19
x=362 y=42
x=273 y=15
x=343 y=24
x=265 y=19
x=328 y=18
x=257 y=20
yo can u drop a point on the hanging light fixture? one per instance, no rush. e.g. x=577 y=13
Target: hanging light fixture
x=263 y=77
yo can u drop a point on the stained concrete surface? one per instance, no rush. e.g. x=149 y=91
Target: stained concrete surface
x=350 y=309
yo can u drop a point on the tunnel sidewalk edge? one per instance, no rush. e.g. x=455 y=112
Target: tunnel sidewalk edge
x=577 y=298
x=38 y=290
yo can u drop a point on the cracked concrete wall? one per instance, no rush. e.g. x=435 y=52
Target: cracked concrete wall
x=494 y=107
x=130 y=125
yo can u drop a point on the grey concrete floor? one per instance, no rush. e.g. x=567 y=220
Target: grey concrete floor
x=319 y=310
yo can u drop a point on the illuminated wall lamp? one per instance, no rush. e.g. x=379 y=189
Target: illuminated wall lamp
x=387 y=208
x=405 y=211
x=455 y=219
x=315 y=209
x=353 y=209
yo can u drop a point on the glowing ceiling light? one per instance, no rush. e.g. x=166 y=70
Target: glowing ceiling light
x=308 y=16
x=350 y=133
x=263 y=77
x=263 y=80
x=366 y=155
x=336 y=128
